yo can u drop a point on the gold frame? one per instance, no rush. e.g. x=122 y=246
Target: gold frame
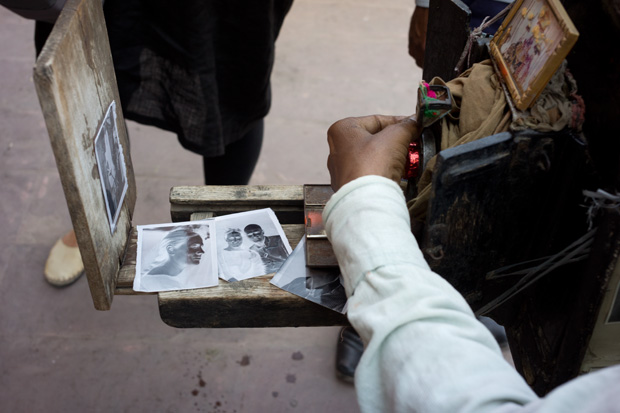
x=530 y=45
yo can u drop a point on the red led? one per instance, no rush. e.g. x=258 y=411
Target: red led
x=412 y=166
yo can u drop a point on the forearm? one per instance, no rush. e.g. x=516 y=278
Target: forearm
x=425 y=351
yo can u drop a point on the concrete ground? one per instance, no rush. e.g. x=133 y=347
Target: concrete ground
x=335 y=58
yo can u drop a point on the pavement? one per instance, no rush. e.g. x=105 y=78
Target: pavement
x=335 y=58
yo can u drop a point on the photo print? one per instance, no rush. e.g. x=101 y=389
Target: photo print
x=319 y=285
x=530 y=41
x=250 y=244
x=530 y=46
x=176 y=256
x=111 y=164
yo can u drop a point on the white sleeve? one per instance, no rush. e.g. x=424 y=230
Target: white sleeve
x=425 y=350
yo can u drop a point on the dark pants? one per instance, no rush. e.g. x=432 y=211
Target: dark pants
x=482 y=8
x=235 y=167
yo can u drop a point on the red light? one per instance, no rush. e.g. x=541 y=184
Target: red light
x=412 y=166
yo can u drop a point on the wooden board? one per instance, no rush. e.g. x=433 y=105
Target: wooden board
x=249 y=303
x=287 y=201
x=75 y=81
x=505 y=200
x=319 y=251
x=603 y=349
x=253 y=302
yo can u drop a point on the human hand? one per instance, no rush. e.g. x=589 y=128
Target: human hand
x=369 y=145
x=417 y=35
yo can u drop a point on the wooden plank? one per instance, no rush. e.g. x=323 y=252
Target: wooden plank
x=75 y=81
x=508 y=199
x=285 y=200
x=319 y=251
x=602 y=349
x=249 y=303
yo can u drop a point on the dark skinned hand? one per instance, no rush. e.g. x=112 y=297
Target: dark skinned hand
x=369 y=145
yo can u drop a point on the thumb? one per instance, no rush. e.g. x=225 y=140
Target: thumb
x=402 y=132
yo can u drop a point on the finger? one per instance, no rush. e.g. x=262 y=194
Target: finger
x=403 y=132
x=376 y=123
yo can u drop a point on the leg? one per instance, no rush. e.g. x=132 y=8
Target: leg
x=236 y=166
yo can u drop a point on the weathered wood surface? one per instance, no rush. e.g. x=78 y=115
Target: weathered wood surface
x=287 y=201
x=249 y=303
x=507 y=199
x=319 y=251
x=75 y=81
x=603 y=349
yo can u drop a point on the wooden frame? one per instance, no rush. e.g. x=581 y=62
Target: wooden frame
x=530 y=45
x=75 y=81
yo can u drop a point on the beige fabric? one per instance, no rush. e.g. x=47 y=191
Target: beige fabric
x=479 y=110
x=553 y=110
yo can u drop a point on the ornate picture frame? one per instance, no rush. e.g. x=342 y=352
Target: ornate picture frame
x=530 y=45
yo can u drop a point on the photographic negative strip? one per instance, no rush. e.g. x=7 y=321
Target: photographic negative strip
x=111 y=164
x=176 y=256
x=319 y=285
x=250 y=244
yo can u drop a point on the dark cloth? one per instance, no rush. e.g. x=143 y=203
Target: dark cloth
x=199 y=69
x=273 y=253
x=238 y=162
x=483 y=8
x=42 y=31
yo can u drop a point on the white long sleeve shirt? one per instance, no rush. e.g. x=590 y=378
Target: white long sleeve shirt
x=424 y=349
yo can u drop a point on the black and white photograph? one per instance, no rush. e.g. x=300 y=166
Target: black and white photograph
x=319 y=285
x=250 y=244
x=111 y=163
x=178 y=256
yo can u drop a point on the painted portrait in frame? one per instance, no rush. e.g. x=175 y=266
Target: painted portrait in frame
x=530 y=45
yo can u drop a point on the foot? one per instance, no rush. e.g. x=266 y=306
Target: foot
x=348 y=354
x=498 y=331
x=64 y=263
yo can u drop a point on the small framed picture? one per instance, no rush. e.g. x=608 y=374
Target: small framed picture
x=530 y=45
x=111 y=164
x=177 y=256
x=250 y=244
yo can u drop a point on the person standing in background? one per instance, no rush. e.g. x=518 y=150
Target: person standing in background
x=200 y=69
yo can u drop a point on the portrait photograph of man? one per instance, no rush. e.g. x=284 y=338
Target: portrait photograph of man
x=111 y=163
x=250 y=244
x=175 y=257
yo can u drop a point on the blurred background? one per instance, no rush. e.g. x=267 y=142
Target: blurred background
x=57 y=353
